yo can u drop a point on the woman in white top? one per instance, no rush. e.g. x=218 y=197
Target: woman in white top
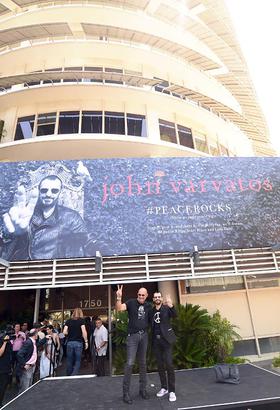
x=49 y=354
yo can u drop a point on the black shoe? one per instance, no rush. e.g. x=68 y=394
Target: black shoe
x=144 y=394
x=127 y=399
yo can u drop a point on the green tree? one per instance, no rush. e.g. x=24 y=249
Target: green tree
x=192 y=325
x=221 y=339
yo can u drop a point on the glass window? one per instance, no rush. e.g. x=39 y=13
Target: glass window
x=201 y=143
x=92 y=121
x=113 y=70
x=25 y=127
x=96 y=76
x=136 y=125
x=68 y=122
x=167 y=131
x=185 y=136
x=46 y=124
x=52 y=81
x=114 y=123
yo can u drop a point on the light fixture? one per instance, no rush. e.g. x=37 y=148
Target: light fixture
x=195 y=256
x=98 y=262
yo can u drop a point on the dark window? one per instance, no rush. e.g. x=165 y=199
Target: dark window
x=31 y=83
x=72 y=80
x=97 y=78
x=68 y=122
x=92 y=121
x=25 y=127
x=52 y=81
x=136 y=125
x=185 y=136
x=167 y=131
x=161 y=86
x=46 y=124
x=113 y=70
x=114 y=123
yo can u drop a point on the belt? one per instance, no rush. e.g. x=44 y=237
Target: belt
x=139 y=332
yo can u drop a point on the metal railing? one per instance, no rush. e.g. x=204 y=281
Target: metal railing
x=138 y=268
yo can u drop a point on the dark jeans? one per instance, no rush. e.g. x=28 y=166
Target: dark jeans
x=74 y=355
x=136 y=344
x=4 y=381
x=100 y=365
x=163 y=353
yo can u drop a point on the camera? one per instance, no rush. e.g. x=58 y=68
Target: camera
x=9 y=331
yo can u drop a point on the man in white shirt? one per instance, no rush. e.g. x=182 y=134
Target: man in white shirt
x=100 y=342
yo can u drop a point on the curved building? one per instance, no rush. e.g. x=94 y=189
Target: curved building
x=128 y=78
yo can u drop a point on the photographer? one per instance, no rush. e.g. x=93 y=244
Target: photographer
x=5 y=365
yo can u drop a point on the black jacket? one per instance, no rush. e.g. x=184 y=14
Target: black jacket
x=166 y=313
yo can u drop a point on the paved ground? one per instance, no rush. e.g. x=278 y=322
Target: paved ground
x=86 y=369
x=195 y=389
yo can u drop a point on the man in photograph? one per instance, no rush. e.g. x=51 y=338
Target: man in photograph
x=40 y=228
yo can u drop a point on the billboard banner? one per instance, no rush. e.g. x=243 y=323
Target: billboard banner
x=68 y=209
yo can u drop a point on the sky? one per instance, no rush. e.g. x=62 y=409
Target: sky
x=257 y=26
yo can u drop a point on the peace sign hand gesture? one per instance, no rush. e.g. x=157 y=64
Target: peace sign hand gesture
x=119 y=292
x=168 y=301
x=17 y=220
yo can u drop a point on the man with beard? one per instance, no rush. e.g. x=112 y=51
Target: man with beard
x=40 y=228
x=163 y=337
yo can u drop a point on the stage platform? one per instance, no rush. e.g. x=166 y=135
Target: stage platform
x=195 y=389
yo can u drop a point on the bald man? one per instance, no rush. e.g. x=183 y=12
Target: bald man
x=137 y=339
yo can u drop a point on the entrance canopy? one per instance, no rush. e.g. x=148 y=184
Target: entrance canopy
x=138 y=268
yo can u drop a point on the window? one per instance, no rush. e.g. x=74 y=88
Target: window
x=46 y=124
x=214 y=150
x=113 y=70
x=71 y=80
x=92 y=122
x=185 y=136
x=201 y=143
x=167 y=131
x=114 y=123
x=97 y=70
x=52 y=81
x=25 y=127
x=68 y=122
x=136 y=125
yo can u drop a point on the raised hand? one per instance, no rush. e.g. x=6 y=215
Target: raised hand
x=168 y=301
x=119 y=291
x=18 y=218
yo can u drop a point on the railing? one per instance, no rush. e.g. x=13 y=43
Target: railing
x=138 y=268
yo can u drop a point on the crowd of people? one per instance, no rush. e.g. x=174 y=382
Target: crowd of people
x=28 y=355
x=22 y=351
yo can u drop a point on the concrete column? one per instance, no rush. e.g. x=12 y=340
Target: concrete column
x=169 y=287
x=36 y=306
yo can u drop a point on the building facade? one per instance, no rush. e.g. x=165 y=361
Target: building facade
x=135 y=78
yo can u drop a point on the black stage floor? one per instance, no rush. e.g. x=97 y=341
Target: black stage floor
x=195 y=389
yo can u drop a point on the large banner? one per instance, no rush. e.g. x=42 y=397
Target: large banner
x=67 y=209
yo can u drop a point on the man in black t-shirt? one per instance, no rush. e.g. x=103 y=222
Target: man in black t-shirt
x=137 y=339
x=5 y=365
